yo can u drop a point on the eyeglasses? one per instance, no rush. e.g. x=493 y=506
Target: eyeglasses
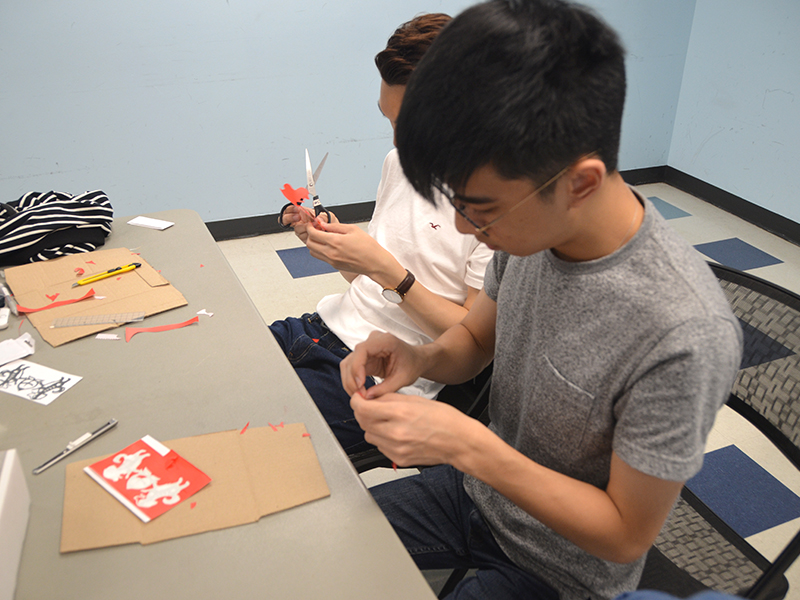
x=483 y=229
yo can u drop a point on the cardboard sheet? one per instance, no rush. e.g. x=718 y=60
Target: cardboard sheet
x=255 y=473
x=50 y=282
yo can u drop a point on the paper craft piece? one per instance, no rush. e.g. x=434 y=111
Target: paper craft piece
x=295 y=196
x=35 y=382
x=141 y=290
x=106 y=336
x=52 y=304
x=151 y=223
x=148 y=478
x=205 y=312
x=132 y=331
x=253 y=474
x=21 y=347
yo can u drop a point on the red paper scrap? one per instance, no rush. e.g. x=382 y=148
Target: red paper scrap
x=295 y=196
x=306 y=435
x=193 y=504
x=90 y=262
x=24 y=309
x=148 y=478
x=53 y=297
x=275 y=427
x=132 y=331
x=244 y=428
x=79 y=271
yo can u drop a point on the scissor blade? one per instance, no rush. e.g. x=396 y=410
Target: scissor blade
x=312 y=189
x=319 y=167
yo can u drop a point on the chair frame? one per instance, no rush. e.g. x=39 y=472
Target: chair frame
x=772 y=582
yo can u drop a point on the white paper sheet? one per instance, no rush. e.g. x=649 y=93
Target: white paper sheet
x=21 y=347
x=35 y=382
x=150 y=223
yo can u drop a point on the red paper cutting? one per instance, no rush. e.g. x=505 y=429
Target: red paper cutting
x=295 y=196
x=244 y=428
x=132 y=331
x=79 y=271
x=148 y=478
x=53 y=297
x=24 y=309
x=275 y=427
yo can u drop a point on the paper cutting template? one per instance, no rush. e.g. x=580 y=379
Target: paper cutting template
x=35 y=382
x=148 y=478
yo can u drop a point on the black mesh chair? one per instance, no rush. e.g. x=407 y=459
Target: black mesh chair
x=696 y=550
x=470 y=397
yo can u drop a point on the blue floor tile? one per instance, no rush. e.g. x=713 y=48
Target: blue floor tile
x=742 y=493
x=300 y=263
x=737 y=254
x=667 y=210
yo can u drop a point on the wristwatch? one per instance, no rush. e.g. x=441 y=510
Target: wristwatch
x=396 y=295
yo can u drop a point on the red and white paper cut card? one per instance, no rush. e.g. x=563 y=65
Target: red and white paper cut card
x=148 y=478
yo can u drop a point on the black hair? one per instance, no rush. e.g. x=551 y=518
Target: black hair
x=528 y=86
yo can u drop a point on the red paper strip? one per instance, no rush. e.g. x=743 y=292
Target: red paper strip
x=88 y=294
x=53 y=297
x=306 y=435
x=132 y=331
x=244 y=428
x=275 y=427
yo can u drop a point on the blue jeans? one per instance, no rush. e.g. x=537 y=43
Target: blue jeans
x=315 y=353
x=442 y=528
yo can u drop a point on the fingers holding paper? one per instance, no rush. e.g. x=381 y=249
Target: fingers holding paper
x=381 y=355
x=349 y=248
x=410 y=430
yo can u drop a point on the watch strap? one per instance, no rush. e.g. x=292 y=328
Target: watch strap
x=405 y=285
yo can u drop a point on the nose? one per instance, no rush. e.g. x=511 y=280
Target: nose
x=464 y=226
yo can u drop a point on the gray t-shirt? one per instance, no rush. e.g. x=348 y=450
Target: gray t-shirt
x=632 y=353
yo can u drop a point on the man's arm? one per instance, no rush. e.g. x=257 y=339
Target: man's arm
x=618 y=524
x=350 y=249
x=459 y=354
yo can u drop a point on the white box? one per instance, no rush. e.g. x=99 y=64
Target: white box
x=15 y=506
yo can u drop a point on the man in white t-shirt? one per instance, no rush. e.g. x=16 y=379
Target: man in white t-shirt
x=412 y=274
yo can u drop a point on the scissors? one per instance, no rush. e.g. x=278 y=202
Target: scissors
x=312 y=188
x=297 y=200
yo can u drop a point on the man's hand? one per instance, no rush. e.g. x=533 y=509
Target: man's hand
x=348 y=248
x=301 y=220
x=381 y=355
x=411 y=430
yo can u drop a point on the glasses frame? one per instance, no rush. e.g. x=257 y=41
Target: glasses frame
x=483 y=229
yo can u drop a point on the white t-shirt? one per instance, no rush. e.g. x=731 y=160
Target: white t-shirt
x=424 y=239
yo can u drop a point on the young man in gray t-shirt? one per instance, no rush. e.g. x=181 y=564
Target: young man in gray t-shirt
x=613 y=345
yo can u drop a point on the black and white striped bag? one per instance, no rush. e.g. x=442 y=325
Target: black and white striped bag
x=45 y=226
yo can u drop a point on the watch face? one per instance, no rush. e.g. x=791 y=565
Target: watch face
x=392 y=296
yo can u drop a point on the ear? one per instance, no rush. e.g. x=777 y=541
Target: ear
x=584 y=179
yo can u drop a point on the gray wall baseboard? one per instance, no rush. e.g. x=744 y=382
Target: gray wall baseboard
x=231 y=229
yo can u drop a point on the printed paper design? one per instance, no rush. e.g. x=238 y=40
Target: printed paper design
x=148 y=478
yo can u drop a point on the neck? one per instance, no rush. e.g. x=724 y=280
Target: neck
x=604 y=223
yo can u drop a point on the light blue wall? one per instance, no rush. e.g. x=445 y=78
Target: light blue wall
x=209 y=104
x=738 y=120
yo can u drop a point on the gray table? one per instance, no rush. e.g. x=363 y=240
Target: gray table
x=196 y=380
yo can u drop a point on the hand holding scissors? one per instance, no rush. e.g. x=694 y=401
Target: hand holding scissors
x=296 y=197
